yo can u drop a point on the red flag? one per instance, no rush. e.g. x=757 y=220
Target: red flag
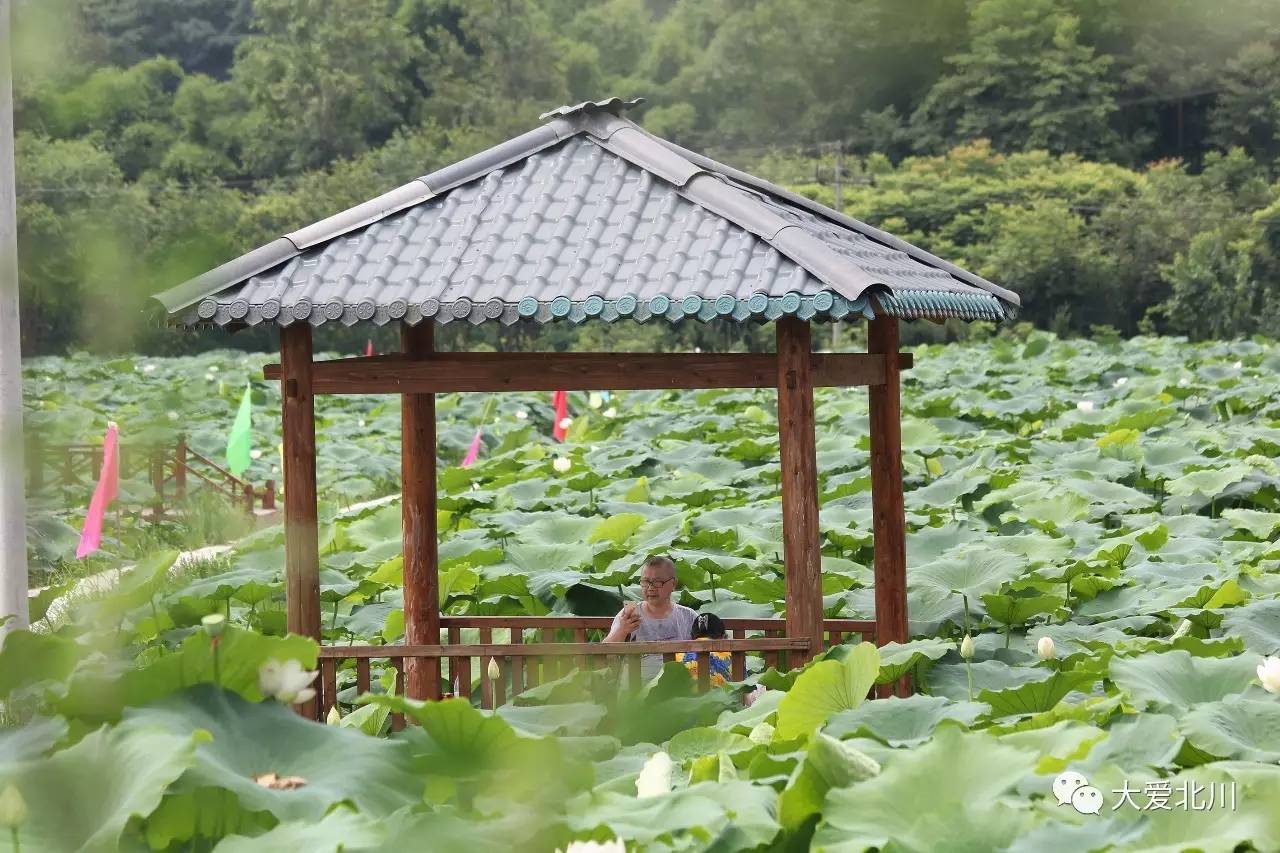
x=473 y=452
x=103 y=494
x=368 y=348
x=560 y=399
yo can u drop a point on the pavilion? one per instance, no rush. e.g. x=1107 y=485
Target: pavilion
x=587 y=218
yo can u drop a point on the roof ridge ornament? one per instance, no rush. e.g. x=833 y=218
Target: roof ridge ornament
x=616 y=106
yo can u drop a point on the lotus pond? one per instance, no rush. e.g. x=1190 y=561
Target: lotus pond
x=1122 y=500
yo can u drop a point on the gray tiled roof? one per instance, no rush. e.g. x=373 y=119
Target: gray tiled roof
x=586 y=216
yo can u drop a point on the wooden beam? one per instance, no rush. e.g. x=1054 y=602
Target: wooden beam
x=418 y=513
x=889 y=524
x=582 y=371
x=301 y=546
x=797 y=445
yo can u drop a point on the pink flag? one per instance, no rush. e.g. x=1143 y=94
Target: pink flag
x=473 y=452
x=105 y=493
x=560 y=399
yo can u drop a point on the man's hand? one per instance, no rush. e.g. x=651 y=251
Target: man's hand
x=628 y=621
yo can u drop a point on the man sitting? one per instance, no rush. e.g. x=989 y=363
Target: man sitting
x=657 y=617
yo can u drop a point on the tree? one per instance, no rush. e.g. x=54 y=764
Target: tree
x=1247 y=112
x=323 y=78
x=1025 y=80
x=200 y=34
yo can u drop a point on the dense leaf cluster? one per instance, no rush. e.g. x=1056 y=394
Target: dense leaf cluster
x=157 y=139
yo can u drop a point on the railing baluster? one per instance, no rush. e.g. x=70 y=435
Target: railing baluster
x=771 y=657
x=486 y=683
x=580 y=636
x=455 y=685
x=362 y=676
x=704 y=671
x=517 y=664
x=463 y=675
x=738 y=665
x=397 y=719
x=328 y=686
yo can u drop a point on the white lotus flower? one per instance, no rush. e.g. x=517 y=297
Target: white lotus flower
x=148 y=368
x=611 y=412
x=1121 y=381
x=286 y=681
x=565 y=423
x=966 y=647
x=255 y=454
x=360 y=423
x=334 y=717
x=562 y=464
x=594 y=400
x=1046 y=649
x=1269 y=674
x=1085 y=405
x=213 y=368
x=655 y=779
x=762 y=733
x=1237 y=365
x=521 y=414
x=495 y=671
x=209 y=377
x=1184 y=382
x=172 y=415
x=617 y=845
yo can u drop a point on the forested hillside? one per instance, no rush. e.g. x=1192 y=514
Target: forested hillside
x=1112 y=160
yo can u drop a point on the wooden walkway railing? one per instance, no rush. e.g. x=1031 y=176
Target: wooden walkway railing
x=533 y=653
x=79 y=464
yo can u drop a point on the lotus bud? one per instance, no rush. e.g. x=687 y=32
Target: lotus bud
x=1122 y=381
x=562 y=464
x=1046 y=649
x=521 y=414
x=1085 y=405
x=617 y=845
x=611 y=412
x=255 y=454
x=334 y=717
x=13 y=808
x=1269 y=674
x=495 y=671
x=966 y=647
x=595 y=401
x=655 y=779
x=214 y=624
x=1237 y=365
x=565 y=423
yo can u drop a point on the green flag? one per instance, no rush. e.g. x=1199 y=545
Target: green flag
x=241 y=437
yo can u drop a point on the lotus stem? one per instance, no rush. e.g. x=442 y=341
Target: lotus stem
x=968 y=674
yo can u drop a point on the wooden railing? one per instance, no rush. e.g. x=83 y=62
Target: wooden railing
x=533 y=653
x=165 y=467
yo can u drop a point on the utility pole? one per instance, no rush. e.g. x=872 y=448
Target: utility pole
x=837 y=326
x=13 y=505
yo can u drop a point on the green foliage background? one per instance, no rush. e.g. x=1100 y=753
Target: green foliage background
x=1111 y=160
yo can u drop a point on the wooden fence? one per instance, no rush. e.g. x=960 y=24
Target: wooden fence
x=534 y=652
x=168 y=469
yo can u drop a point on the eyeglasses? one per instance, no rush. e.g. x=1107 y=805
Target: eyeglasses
x=652 y=584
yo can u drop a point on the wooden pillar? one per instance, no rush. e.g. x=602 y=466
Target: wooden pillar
x=797 y=445
x=418 y=508
x=888 y=516
x=301 y=546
